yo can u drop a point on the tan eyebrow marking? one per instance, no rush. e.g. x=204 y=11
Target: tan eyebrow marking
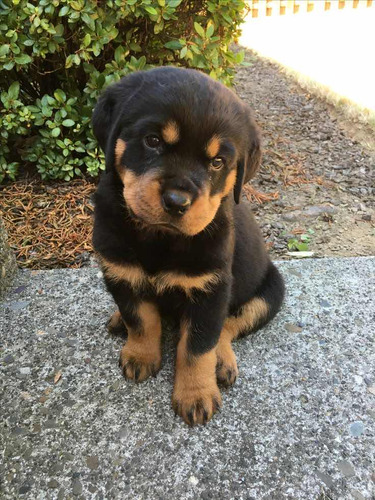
x=170 y=132
x=213 y=146
x=119 y=151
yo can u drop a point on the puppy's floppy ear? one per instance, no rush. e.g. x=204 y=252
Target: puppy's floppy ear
x=251 y=156
x=110 y=111
x=105 y=122
x=102 y=118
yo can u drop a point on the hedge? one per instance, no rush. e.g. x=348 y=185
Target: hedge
x=56 y=57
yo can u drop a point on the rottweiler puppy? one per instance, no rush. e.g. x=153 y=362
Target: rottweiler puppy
x=170 y=234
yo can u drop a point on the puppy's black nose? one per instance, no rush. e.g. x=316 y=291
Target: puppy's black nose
x=176 y=202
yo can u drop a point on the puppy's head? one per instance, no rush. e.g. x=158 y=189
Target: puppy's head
x=180 y=143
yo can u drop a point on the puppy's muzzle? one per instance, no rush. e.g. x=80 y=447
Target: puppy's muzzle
x=176 y=202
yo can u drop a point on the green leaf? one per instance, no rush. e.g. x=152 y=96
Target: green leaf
x=87 y=40
x=14 y=90
x=151 y=10
x=302 y=247
x=173 y=44
x=59 y=29
x=60 y=95
x=23 y=59
x=4 y=49
x=8 y=66
x=183 y=52
x=63 y=11
x=227 y=18
x=56 y=132
x=88 y=20
x=199 y=29
x=174 y=3
x=210 y=30
x=76 y=5
x=68 y=123
x=240 y=57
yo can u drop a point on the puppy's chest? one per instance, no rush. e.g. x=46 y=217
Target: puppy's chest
x=159 y=282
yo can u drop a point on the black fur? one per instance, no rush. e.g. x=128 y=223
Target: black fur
x=231 y=244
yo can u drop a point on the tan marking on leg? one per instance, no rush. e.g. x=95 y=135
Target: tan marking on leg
x=119 y=151
x=170 y=132
x=251 y=313
x=170 y=280
x=140 y=357
x=213 y=146
x=124 y=272
x=196 y=396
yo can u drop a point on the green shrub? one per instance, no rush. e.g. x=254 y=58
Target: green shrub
x=56 y=56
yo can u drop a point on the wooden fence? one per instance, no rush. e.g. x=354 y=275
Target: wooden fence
x=261 y=8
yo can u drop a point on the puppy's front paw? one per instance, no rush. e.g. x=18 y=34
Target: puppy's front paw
x=138 y=364
x=196 y=405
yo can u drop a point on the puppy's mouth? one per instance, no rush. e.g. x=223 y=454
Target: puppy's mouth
x=167 y=226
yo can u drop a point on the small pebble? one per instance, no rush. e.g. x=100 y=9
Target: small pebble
x=346 y=468
x=24 y=489
x=356 y=428
x=357 y=495
x=324 y=303
x=92 y=462
x=193 y=480
x=77 y=487
x=53 y=484
x=8 y=359
x=16 y=306
x=290 y=327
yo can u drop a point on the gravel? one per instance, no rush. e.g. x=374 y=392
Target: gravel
x=324 y=175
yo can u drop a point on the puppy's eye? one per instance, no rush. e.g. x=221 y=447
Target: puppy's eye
x=217 y=163
x=152 y=141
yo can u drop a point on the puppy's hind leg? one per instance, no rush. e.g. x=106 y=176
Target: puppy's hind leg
x=116 y=325
x=251 y=316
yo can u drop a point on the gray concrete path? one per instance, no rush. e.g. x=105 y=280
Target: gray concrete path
x=299 y=423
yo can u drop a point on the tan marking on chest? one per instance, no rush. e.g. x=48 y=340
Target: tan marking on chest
x=161 y=282
x=170 y=280
x=131 y=273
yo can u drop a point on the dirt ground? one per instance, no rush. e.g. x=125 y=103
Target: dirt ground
x=317 y=165
x=314 y=191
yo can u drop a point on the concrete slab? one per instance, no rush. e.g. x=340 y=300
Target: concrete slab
x=299 y=423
